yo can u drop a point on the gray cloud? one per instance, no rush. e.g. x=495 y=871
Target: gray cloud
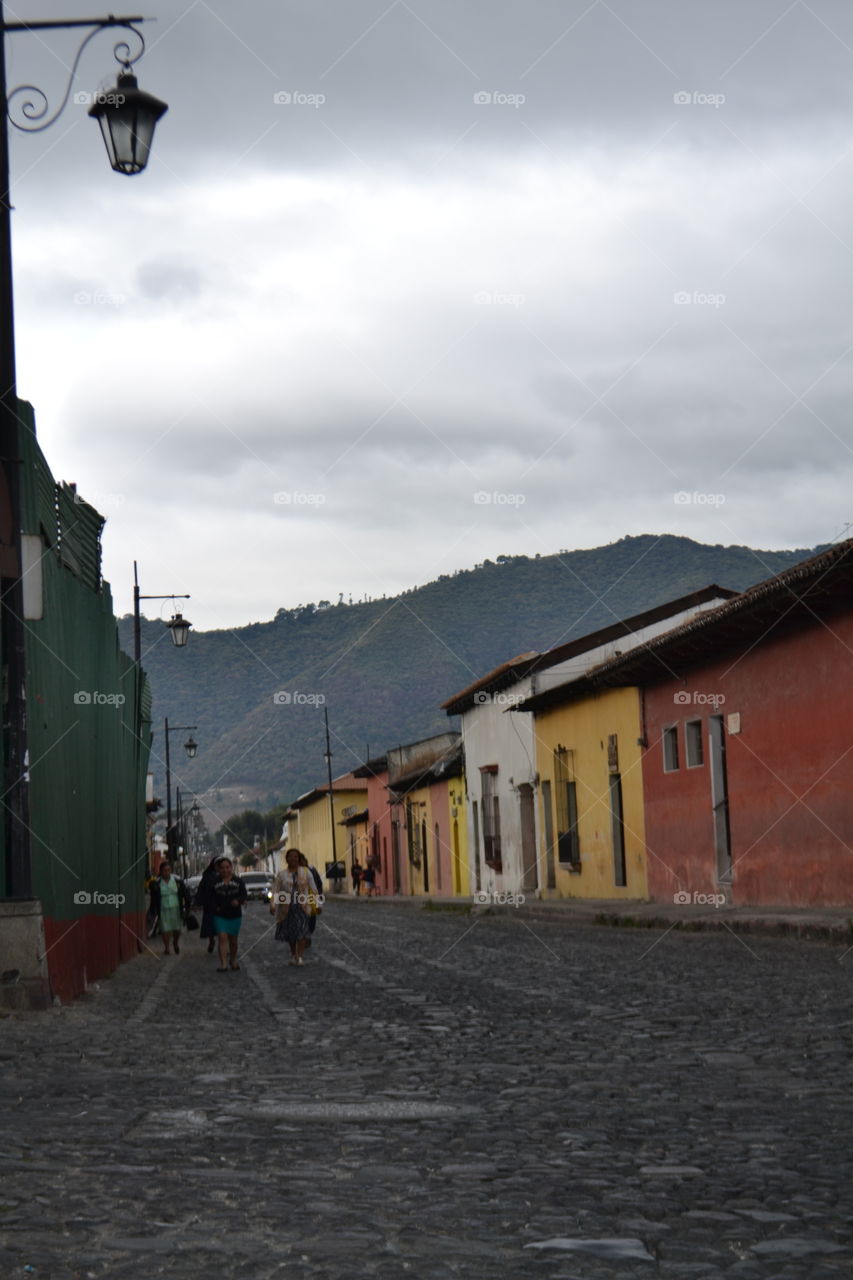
x=630 y=285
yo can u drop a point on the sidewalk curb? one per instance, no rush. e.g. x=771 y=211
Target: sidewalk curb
x=827 y=924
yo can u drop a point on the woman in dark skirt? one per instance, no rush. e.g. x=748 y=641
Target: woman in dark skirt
x=294 y=903
x=204 y=899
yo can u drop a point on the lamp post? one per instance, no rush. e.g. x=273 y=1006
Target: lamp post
x=327 y=756
x=179 y=626
x=191 y=748
x=130 y=121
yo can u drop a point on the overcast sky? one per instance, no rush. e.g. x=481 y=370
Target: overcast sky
x=412 y=284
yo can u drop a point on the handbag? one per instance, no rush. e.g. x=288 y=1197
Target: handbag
x=191 y=922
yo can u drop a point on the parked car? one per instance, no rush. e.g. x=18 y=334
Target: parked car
x=258 y=885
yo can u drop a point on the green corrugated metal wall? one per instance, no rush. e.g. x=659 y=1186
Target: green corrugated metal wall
x=89 y=718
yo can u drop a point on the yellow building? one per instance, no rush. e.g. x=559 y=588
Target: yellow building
x=354 y=837
x=310 y=819
x=591 y=793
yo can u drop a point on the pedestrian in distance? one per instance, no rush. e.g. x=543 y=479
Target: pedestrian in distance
x=151 y=920
x=170 y=902
x=204 y=900
x=370 y=879
x=295 y=901
x=357 y=873
x=228 y=893
x=318 y=884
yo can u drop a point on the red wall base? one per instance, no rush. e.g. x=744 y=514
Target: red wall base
x=84 y=950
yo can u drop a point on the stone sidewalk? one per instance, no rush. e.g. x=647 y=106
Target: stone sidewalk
x=832 y=923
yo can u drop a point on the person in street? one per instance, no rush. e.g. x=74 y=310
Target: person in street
x=227 y=895
x=318 y=884
x=204 y=900
x=170 y=901
x=357 y=873
x=295 y=901
x=151 y=920
x=370 y=879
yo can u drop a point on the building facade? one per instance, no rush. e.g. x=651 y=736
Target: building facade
x=505 y=813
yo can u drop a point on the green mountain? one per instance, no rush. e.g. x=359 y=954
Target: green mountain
x=384 y=667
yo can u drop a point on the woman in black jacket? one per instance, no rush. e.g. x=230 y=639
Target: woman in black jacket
x=204 y=899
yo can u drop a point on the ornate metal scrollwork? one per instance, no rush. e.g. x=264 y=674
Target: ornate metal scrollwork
x=34 y=110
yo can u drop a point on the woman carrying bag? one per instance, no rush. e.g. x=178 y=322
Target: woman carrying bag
x=295 y=903
x=170 y=902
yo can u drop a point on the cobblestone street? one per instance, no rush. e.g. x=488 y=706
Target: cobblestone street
x=439 y=1095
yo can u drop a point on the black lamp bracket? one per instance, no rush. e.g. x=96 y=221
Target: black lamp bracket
x=32 y=114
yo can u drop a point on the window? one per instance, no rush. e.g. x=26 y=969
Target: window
x=565 y=788
x=491 y=818
x=670 y=749
x=693 y=744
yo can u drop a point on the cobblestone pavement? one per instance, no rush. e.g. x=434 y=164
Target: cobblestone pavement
x=435 y=1096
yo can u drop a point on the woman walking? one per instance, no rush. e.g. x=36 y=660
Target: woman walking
x=318 y=884
x=170 y=902
x=294 y=903
x=227 y=895
x=204 y=899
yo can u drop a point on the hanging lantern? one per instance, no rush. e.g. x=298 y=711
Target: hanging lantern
x=180 y=630
x=127 y=116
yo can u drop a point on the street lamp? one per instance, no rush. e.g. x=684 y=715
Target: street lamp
x=35 y=116
x=127 y=116
x=179 y=626
x=191 y=748
x=327 y=756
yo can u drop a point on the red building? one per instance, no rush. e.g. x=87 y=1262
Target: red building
x=747 y=722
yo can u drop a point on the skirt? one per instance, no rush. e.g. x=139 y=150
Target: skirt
x=170 y=920
x=221 y=925
x=207 y=929
x=295 y=926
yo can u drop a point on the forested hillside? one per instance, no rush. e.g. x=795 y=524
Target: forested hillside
x=384 y=667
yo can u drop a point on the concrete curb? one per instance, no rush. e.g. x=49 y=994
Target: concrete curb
x=833 y=924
